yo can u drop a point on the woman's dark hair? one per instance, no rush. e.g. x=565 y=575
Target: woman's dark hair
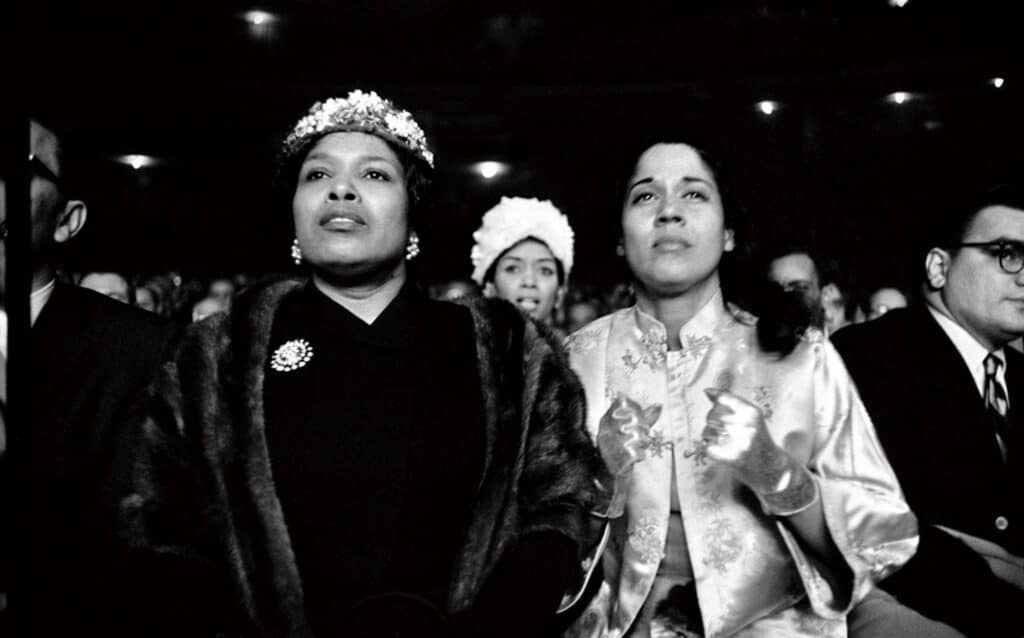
x=782 y=316
x=489 y=275
x=418 y=177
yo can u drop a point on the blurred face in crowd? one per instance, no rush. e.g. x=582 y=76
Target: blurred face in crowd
x=110 y=284
x=222 y=289
x=527 y=275
x=796 y=272
x=145 y=299
x=883 y=300
x=456 y=290
x=977 y=293
x=673 y=224
x=351 y=208
x=578 y=315
x=206 y=307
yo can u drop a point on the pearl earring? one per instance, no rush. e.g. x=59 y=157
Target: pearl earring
x=413 y=247
x=296 y=252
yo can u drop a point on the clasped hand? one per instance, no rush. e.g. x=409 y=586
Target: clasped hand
x=736 y=434
x=621 y=438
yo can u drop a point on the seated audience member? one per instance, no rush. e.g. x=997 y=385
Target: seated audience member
x=798 y=269
x=947 y=398
x=883 y=300
x=206 y=307
x=146 y=298
x=523 y=254
x=339 y=455
x=751 y=496
x=455 y=290
x=221 y=289
x=108 y=283
x=579 y=313
x=92 y=359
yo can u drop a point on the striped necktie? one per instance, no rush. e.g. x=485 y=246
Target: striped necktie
x=996 y=403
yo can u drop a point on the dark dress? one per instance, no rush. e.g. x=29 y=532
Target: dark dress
x=376 y=447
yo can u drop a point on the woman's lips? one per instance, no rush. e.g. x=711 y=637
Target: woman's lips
x=670 y=244
x=342 y=221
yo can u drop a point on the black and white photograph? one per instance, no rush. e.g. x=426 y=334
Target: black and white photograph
x=451 y=319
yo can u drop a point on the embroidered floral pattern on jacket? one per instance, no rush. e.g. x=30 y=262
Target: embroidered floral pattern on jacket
x=583 y=340
x=764 y=399
x=696 y=347
x=653 y=343
x=655 y=443
x=723 y=543
x=646 y=540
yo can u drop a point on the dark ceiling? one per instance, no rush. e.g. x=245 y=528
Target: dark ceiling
x=563 y=92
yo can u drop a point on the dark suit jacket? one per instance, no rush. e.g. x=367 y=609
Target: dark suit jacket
x=933 y=426
x=91 y=360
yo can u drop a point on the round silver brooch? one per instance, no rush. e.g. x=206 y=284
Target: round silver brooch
x=291 y=355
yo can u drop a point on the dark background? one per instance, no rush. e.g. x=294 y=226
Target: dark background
x=563 y=92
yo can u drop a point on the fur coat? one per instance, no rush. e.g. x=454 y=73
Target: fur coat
x=197 y=502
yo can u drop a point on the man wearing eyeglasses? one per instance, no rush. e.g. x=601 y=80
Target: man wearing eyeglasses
x=946 y=395
x=91 y=360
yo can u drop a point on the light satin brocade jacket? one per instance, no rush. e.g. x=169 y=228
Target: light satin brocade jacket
x=751 y=573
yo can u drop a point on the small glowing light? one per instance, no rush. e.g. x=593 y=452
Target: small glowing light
x=489 y=169
x=899 y=97
x=767 y=106
x=997 y=82
x=258 y=18
x=899 y=4
x=137 y=161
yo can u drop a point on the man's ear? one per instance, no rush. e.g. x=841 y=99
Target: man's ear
x=730 y=241
x=936 y=266
x=70 y=221
x=490 y=290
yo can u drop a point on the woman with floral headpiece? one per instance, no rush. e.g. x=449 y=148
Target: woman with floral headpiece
x=752 y=497
x=523 y=254
x=342 y=456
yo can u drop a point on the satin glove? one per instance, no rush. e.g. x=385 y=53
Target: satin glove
x=737 y=436
x=621 y=435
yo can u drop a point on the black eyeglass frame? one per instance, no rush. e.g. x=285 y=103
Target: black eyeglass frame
x=1001 y=249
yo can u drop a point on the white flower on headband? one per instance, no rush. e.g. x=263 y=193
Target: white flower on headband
x=515 y=219
x=361 y=111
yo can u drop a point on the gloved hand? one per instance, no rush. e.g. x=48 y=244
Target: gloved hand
x=736 y=435
x=620 y=438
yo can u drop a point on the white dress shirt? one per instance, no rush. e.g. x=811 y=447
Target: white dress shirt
x=972 y=352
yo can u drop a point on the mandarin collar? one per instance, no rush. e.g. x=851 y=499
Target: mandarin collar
x=700 y=328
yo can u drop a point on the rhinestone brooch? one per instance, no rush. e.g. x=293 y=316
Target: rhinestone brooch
x=292 y=355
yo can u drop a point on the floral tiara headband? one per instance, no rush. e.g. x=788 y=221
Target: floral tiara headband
x=363 y=112
x=515 y=219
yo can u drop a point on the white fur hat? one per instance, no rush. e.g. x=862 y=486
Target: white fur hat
x=515 y=219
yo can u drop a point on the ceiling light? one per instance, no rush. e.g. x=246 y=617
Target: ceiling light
x=997 y=82
x=490 y=169
x=137 y=161
x=767 y=106
x=899 y=97
x=258 y=18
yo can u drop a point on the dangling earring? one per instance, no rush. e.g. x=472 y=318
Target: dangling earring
x=412 y=248
x=620 y=249
x=296 y=252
